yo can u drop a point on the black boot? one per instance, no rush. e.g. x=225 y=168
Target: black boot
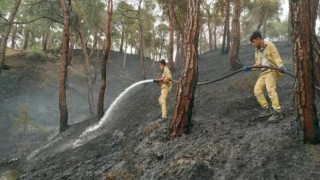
x=265 y=112
x=276 y=116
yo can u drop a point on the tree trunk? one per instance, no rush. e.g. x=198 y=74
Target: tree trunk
x=94 y=45
x=228 y=40
x=141 y=48
x=71 y=48
x=87 y=65
x=304 y=57
x=161 y=48
x=63 y=72
x=154 y=52
x=209 y=30
x=45 y=41
x=200 y=41
x=171 y=32
x=215 y=36
x=13 y=37
x=289 y=28
x=235 y=45
x=122 y=38
x=125 y=53
x=6 y=34
x=188 y=79
x=100 y=107
x=96 y=66
x=226 y=31
x=26 y=39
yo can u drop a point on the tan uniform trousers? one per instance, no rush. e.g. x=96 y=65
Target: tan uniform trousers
x=267 y=80
x=163 y=101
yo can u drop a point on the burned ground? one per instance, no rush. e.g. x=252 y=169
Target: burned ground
x=226 y=140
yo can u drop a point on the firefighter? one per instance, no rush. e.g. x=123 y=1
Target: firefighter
x=166 y=85
x=266 y=54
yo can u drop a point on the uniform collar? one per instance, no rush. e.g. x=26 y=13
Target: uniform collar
x=261 y=49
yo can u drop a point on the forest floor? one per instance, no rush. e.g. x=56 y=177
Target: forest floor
x=227 y=141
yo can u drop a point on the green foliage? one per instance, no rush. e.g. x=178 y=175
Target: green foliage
x=24 y=125
x=36 y=51
x=5 y=6
x=258 y=12
x=278 y=31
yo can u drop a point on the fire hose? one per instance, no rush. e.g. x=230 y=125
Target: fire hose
x=236 y=72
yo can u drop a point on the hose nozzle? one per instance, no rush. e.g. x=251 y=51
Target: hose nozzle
x=156 y=80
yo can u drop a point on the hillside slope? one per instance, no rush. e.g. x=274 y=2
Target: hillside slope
x=226 y=140
x=31 y=86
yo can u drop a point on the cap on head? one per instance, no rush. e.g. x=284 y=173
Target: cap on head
x=163 y=62
x=255 y=35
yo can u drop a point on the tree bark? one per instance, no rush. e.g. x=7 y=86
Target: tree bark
x=13 y=37
x=226 y=31
x=304 y=57
x=71 y=48
x=188 y=79
x=215 y=36
x=141 y=46
x=63 y=72
x=45 y=41
x=26 y=39
x=100 y=107
x=6 y=34
x=171 y=32
x=87 y=65
x=235 y=44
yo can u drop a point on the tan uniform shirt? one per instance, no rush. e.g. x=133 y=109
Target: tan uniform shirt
x=271 y=54
x=167 y=76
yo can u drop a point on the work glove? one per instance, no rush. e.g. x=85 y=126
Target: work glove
x=282 y=69
x=246 y=69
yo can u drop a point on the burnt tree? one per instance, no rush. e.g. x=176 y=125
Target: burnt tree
x=226 y=32
x=100 y=107
x=188 y=78
x=65 y=7
x=141 y=39
x=85 y=53
x=304 y=56
x=235 y=42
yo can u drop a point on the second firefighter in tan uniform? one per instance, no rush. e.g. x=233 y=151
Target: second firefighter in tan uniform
x=166 y=85
x=266 y=54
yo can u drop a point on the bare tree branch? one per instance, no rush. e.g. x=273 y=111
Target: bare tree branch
x=31 y=21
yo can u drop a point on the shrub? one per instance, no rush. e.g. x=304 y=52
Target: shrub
x=24 y=125
x=36 y=51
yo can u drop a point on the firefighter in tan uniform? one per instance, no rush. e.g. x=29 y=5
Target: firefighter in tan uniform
x=266 y=54
x=166 y=85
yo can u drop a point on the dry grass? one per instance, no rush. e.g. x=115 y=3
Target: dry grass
x=13 y=52
x=146 y=131
x=155 y=125
x=111 y=175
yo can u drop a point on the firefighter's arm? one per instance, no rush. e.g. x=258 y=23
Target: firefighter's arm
x=166 y=76
x=275 y=55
